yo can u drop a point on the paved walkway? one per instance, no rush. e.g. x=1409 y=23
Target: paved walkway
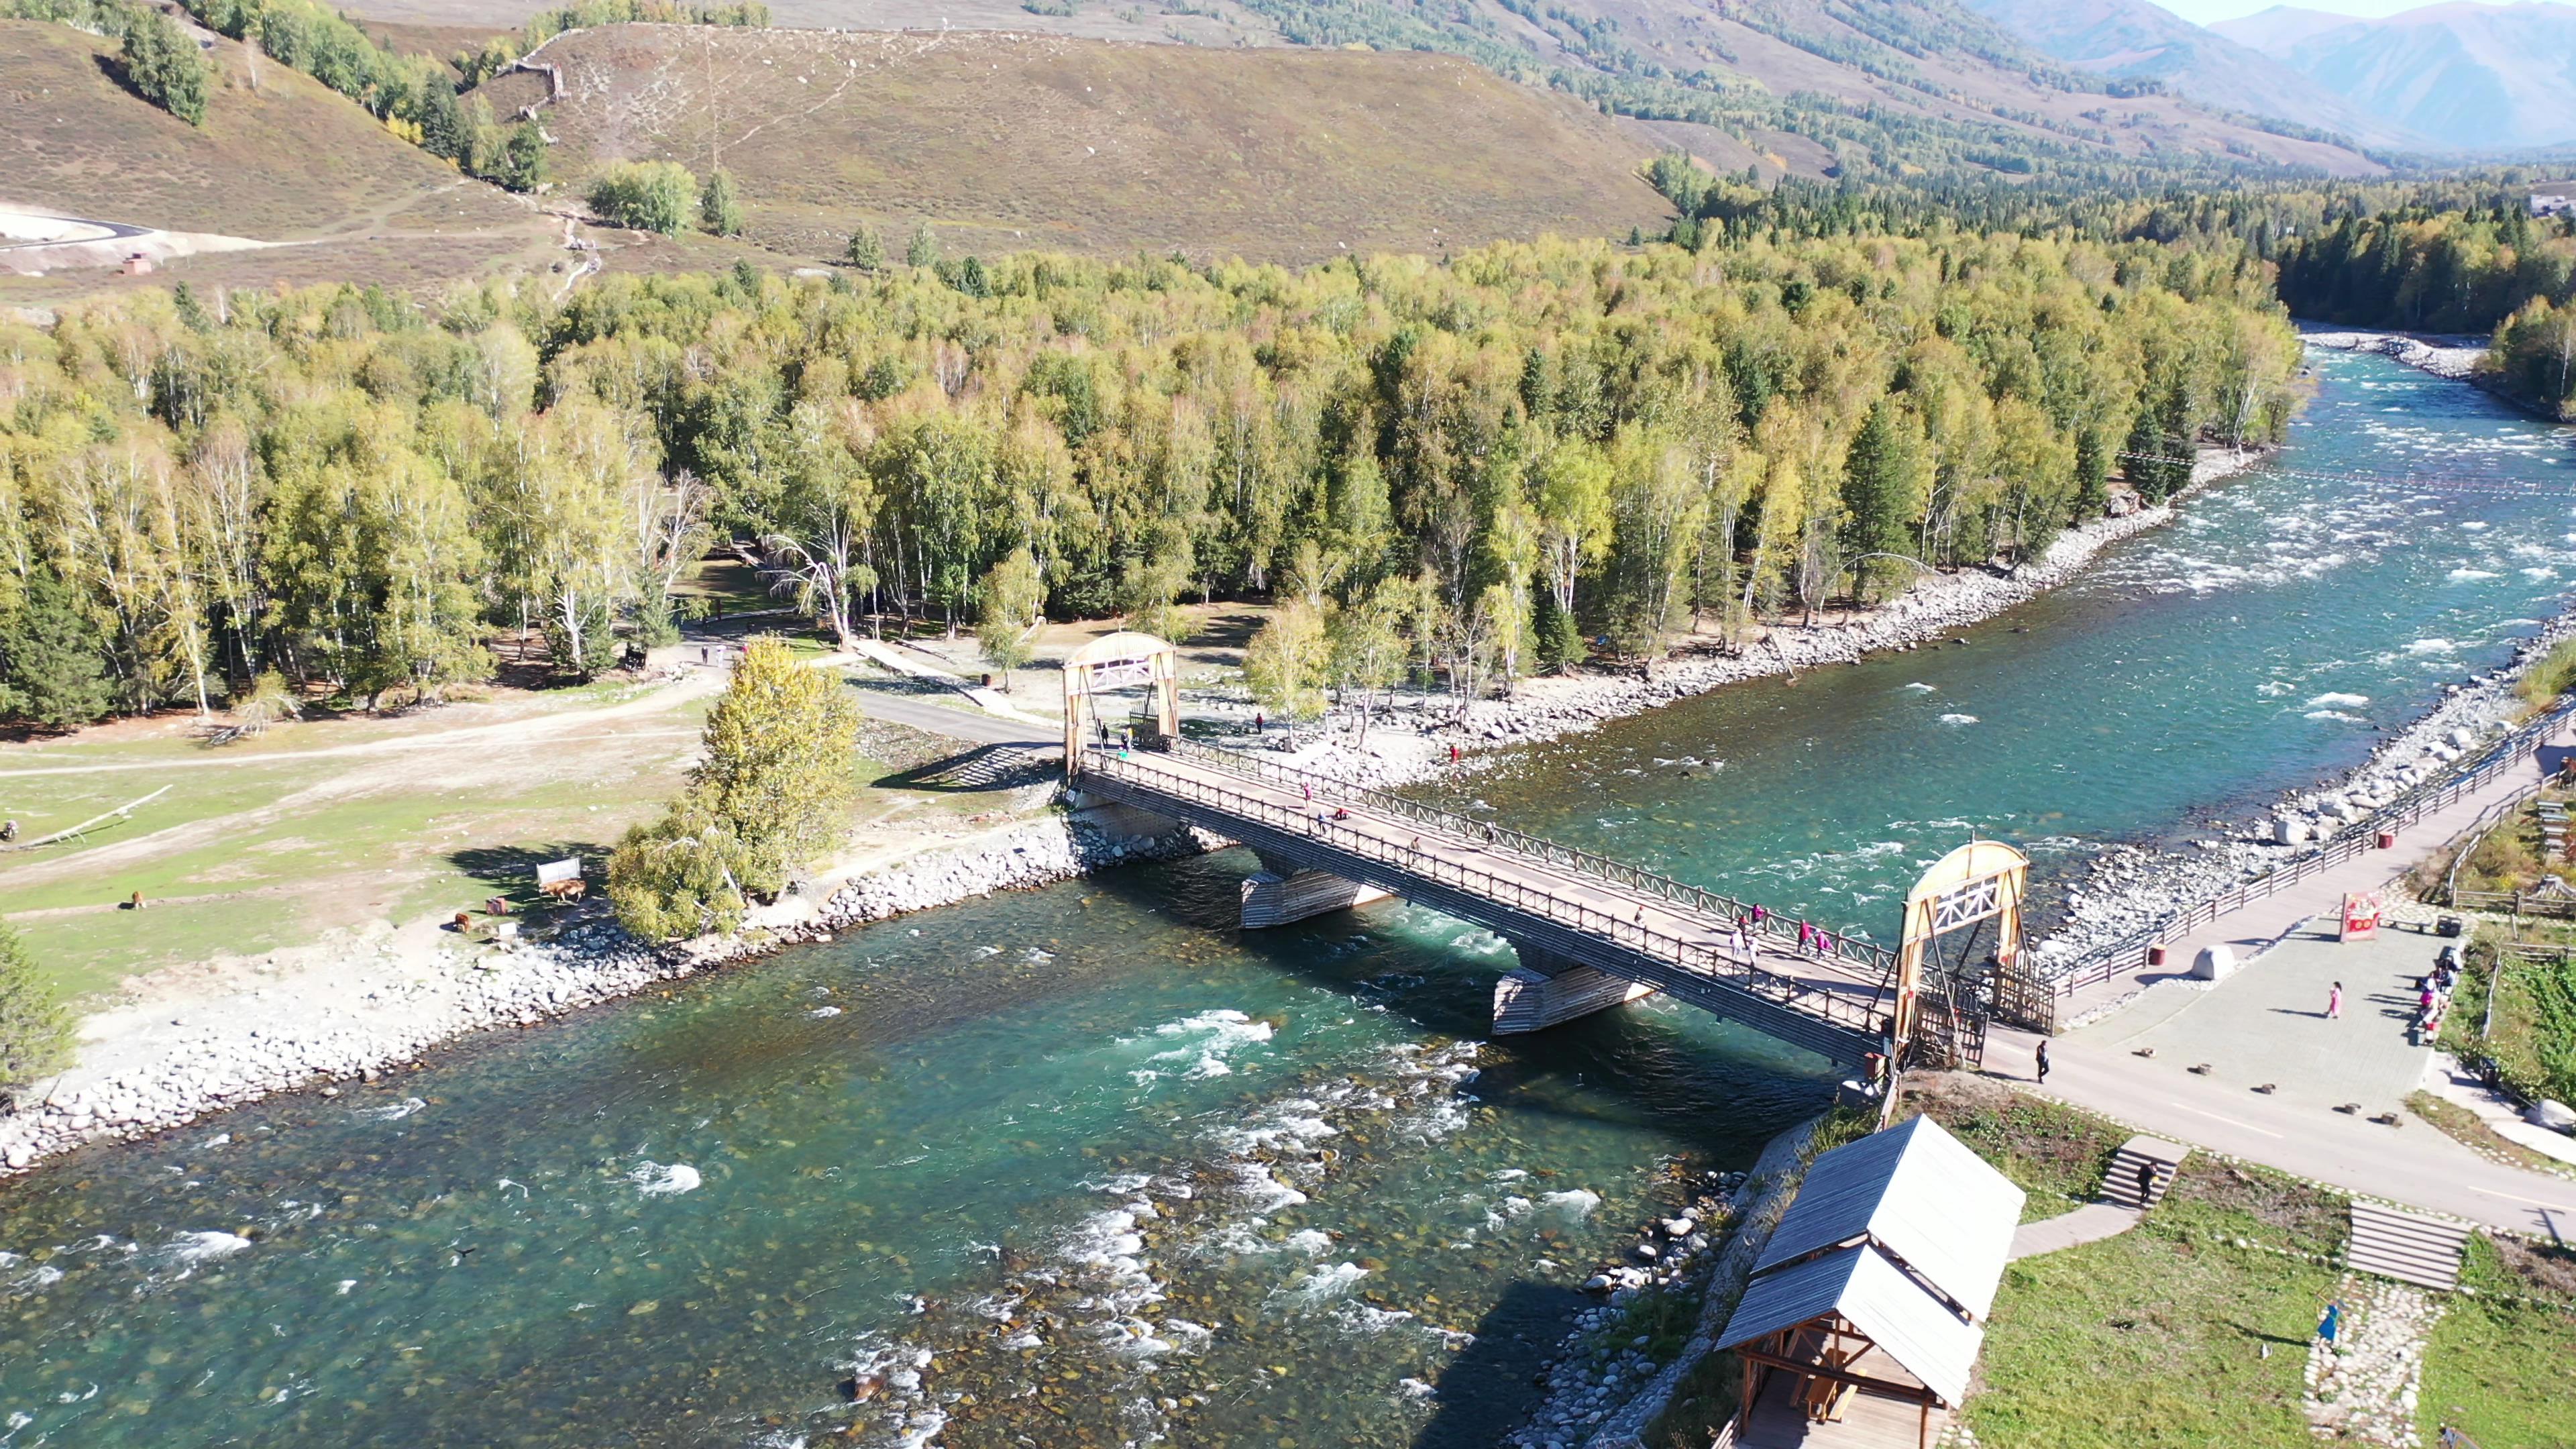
x=2090 y=1223
x=2265 y=1026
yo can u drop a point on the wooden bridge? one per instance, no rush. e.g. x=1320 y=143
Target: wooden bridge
x=1591 y=932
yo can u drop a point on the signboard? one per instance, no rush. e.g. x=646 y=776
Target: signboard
x=2360 y=915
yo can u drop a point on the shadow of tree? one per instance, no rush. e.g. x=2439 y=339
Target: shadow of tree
x=511 y=870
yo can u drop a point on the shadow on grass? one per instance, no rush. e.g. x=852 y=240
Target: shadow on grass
x=511 y=870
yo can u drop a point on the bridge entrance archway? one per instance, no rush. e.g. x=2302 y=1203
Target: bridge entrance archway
x=1111 y=667
x=1969 y=897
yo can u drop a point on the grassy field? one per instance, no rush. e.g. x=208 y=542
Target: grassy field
x=2054 y=1153
x=343 y=825
x=1017 y=142
x=2500 y=1371
x=2156 y=1338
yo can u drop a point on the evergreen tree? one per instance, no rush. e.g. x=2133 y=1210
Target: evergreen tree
x=523 y=165
x=923 y=249
x=719 y=207
x=442 y=127
x=35 y=1031
x=1560 y=638
x=53 y=658
x=1882 y=489
x=164 y=66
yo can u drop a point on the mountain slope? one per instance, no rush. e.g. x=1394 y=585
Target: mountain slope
x=285 y=159
x=2134 y=40
x=1872 y=88
x=1018 y=141
x=2463 y=75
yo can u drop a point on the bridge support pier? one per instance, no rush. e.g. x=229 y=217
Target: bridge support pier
x=1280 y=892
x=1547 y=990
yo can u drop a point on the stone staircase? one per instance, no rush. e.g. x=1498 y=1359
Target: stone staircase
x=2141 y=1171
x=2408 y=1247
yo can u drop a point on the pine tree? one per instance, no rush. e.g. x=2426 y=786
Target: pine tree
x=719 y=206
x=164 y=66
x=923 y=250
x=35 y=1031
x=1882 y=488
x=523 y=166
x=53 y=658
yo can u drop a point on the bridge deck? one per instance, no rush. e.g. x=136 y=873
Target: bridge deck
x=1833 y=1000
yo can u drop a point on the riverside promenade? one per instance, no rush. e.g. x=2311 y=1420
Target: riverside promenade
x=2265 y=1026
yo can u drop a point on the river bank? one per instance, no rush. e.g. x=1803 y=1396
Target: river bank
x=1411 y=743
x=2453 y=358
x=206 y=1042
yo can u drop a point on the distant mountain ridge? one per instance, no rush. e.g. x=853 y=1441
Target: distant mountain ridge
x=2462 y=75
x=2134 y=40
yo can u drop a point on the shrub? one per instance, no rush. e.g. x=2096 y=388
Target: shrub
x=35 y=1031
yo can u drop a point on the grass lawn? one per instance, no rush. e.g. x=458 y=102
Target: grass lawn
x=2054 y=1153
x=2155 y=1339
x=2505 y=1373
x=341 y=824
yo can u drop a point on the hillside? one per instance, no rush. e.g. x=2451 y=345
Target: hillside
x=2462 y=75
x=1814 y=87
x=286 y=160
x=2136 y=40
x=1014 y=141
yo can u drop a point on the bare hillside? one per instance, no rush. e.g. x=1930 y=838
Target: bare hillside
x=285 y=161
x=1007 y=141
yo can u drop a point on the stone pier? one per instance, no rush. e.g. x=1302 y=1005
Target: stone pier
x=1545 y=991
x=1280 y=893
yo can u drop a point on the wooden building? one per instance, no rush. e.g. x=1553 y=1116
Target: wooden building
x=1862 y=1322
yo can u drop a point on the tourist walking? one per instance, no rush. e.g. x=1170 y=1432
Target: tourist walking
x=2334 y=1002
x=2331 y=1324
x=2043 y=1061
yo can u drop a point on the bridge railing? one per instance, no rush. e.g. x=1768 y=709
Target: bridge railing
x=2129 y=953
x=1715 y=958
x=1861 y=955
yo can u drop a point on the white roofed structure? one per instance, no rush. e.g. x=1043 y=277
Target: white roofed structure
x=1872 y=1292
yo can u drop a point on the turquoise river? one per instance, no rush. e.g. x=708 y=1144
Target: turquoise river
x=1084 y=1166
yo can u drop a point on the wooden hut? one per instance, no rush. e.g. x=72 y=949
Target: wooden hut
x=1865 y=1313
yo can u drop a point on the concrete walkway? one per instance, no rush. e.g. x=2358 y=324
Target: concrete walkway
x=2090 y=1223
x=2265 y=1026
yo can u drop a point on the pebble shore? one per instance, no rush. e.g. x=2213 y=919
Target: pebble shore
x=392 y=1011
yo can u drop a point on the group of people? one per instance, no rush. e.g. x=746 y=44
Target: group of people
x=2433 y=995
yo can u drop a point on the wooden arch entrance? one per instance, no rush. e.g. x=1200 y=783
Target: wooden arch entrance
x=1111 y=664
x=1947 y=918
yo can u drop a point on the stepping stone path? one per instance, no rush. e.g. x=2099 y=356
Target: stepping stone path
x=2363 y=1390
x=2409 y=1247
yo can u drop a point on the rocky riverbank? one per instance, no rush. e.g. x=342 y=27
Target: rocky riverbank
x=2458 y=359
x=353 y=1013
x=2128 y=889
x=1412 y=741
